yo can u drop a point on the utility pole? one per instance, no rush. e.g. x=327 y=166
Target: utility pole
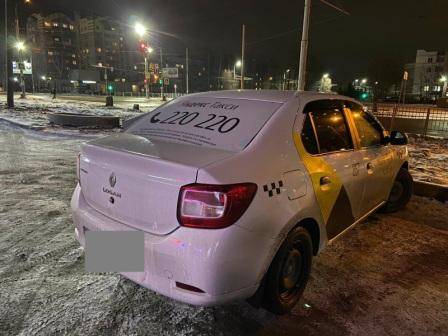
x=186 y=70
x=8 y=62
x=20 y=63
x=304 y=41
x=146 y=78
x=242 y=55
x=304 y=45
x=161 y=69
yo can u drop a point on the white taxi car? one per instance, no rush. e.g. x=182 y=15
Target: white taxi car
x=235 y=191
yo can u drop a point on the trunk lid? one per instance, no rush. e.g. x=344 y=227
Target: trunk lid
x=136 y=181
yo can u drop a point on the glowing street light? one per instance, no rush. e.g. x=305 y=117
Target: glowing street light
x=140 y=29
x=364 y=81
x=325 y=75
x=284 y=78
x=43 y=77
x=238 y=64
x=20 y=45
x=443 y=78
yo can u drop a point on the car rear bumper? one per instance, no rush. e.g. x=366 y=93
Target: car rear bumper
x=226 y=264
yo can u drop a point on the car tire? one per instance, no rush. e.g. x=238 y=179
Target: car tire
x=289 y=272
x=400 y=193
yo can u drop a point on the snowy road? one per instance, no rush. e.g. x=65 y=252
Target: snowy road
x=387 y=276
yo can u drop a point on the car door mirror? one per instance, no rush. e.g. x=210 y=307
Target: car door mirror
x=398 y=138
x=385 y=138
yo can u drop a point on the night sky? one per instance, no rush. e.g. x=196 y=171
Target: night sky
x=377 y=32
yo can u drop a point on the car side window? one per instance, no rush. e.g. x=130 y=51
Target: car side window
x=308 y=136
x=369 y=130
x=330 y=125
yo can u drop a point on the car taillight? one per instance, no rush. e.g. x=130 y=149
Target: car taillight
x=209 y=206
x=78 y=167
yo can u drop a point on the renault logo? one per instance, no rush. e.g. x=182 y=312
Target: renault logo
x=112 y=180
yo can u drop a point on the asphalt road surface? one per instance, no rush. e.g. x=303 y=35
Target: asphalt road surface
x=388 y=276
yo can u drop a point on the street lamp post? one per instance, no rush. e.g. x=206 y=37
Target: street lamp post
x=284 y=78
x=238 y=64
x=141 y=30
x=444 y=80
x=20 y=46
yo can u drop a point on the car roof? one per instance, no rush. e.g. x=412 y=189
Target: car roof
x=277 y=96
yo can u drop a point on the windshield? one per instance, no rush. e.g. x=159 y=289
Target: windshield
x=228 y=124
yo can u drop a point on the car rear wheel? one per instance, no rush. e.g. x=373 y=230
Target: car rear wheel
x=400 y=193
x=289 y=272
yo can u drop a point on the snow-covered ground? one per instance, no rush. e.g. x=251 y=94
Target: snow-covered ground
x=33 y=110
x=388 y=276
x=429 y=159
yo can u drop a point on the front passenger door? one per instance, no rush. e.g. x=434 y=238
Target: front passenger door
x=376 y=158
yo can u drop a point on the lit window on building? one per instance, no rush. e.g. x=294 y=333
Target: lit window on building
x=98 y=50
x=50 y=53
x=437 y=88
x=55 y=24
x=64 y=25
x=47 y=24
x=426 y=88
x=72 y=27
x=73 y=55
x=74 y=62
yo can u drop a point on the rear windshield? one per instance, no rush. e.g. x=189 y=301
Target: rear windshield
x=228 y=124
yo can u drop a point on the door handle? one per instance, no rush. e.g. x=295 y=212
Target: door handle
x=324 y=180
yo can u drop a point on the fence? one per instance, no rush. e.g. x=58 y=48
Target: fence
x=418 y=119
x=151 y=94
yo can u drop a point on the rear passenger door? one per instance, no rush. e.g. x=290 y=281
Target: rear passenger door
x=376 y=158
x=328 y=152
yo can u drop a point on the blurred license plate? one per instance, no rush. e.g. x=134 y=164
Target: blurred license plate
x=115 y=251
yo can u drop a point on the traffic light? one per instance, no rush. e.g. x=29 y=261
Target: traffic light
x=142 y=46
x=110 y=88
x=364 y=96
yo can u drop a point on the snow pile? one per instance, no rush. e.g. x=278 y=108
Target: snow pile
x=429 y=159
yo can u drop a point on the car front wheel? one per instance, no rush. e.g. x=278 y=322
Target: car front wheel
x=288 y=274
x=400 y=193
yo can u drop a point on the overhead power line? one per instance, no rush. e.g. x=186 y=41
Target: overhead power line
x=335 y=7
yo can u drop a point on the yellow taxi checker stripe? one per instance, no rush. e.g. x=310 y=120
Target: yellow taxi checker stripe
x=317 y=168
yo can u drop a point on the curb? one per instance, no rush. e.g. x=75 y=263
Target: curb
x=22 y=125
x=38 y=129
x=84 y=120
x=432 y=190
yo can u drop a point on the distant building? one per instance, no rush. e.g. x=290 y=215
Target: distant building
x=426 y=73
x=52 y=39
